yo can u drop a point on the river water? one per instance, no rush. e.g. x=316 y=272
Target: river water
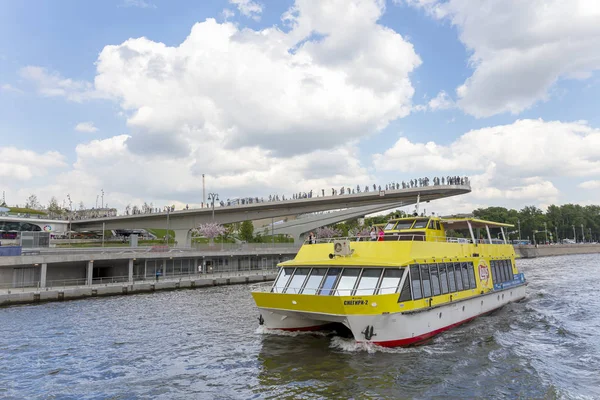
x=205 y=344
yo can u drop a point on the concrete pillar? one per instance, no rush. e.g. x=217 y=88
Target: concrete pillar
x=43 y=273
x=183 y=237
x=195 y=266
x=130 y=271
x=90 y=272
x=164 y=267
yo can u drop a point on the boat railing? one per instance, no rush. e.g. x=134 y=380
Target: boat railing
x=405 y=237
x=267 y=287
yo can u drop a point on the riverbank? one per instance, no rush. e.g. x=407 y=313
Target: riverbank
x=36 y=295
x=556 y=250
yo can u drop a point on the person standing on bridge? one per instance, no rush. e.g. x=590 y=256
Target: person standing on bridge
x=373 y=234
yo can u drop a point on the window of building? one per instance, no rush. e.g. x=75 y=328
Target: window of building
x=297 y=280
x=390 y=281
x=415 y=282
x=347 y=281
x=435 y=279
x=282 y=279
x=451 y=279
x=425 y=278
x=329 y=282
x=443 y=277
x=472 y=281
x=368 y=281
x=458 y=277
x=314 y=280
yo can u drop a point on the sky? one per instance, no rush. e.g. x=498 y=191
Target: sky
x=139 y=98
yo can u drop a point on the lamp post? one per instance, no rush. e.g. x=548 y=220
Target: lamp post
x=590 y=232
x=546 y=232
x=574 y=236
x=519 y=225
x=102 y=191
x=212 y=197
x=556 y=231
x=70 y=214
x=167 y=234
x=582 y=234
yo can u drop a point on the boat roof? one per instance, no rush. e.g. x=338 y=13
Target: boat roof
x=460 y=223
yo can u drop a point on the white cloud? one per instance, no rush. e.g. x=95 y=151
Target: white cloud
x=51 y=84
x=315 y=86
x=7 y=87
x=22 y=165
x=227 y=14
x=86 y=127
x=249 y=8
x=138 y=3
x=519 y=49
x=441 y=102
x=513 y=161
x=594 y=184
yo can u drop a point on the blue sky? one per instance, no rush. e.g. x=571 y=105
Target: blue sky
x=284 y=96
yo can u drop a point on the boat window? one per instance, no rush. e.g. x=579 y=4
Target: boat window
x=443 y=277
x=347 y=281
x=510 y=270
x=472 y=276
x=458 y=277
x=437 y=225
x=431 y=224
x=502 y=271
x=329 y=281
x=415 y=282
x=368 y=281
x=451 y=279
x=435 y=280
x=297 y=280
x=405 y=292
x=420 y=224
x=465 y=276
x=282 y=280
x=494 y=272
x=314 y=281
x=390 y=226
x=426 y=280
x=404 y=224
x=391 y=280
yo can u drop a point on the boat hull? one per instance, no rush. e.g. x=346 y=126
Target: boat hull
x=398 y=329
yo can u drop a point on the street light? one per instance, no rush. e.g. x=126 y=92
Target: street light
x=102 y=191
x=212 y=197
x=574 y=236
x=546 y=232
x=582 y=234
x=519 y=224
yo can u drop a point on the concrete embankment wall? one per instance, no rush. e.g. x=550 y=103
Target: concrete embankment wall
x=16 y=296
x=556 y=250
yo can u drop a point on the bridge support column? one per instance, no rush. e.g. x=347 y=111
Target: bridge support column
x=130 y=275
x=183 y=237
x=90 y=273
x=43 y=273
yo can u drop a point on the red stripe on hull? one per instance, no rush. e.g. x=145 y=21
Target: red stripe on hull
x=425 y=336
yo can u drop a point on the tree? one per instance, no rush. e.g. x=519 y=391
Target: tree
x=247 y=231
x=53 y=206
x=32 y=202
x=211 y=230
x=327 y=232
x=81 y=206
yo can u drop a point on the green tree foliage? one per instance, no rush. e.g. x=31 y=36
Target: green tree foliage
x=53 y=206
x=33 y=202
x=247 y=231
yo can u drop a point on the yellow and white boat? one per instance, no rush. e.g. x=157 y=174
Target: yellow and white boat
x=415 y=283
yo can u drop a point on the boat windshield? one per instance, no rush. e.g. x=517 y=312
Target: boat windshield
x=404 y=224
x=420 y=224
